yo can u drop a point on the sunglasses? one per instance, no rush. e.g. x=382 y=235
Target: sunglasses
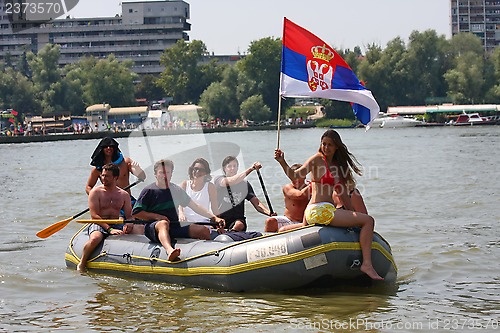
x=196 y=169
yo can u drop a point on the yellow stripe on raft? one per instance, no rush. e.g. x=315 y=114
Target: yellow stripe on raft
x=215 y=270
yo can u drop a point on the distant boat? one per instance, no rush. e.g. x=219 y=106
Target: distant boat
x=393 y=121
x=473 y=119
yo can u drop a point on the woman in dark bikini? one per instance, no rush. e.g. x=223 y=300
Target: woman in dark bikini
x=330 y=168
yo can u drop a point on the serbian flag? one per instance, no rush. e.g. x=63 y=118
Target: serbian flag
x=311 y=68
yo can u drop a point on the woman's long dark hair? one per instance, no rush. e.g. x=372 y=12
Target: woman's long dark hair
x=346 y=161
x=205 y=164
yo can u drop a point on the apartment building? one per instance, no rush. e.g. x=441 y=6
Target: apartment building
x=480 y=17
x=141 y=33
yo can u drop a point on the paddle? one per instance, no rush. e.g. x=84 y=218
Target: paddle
x=53 y=228
x=265 y=192
x=118 y=221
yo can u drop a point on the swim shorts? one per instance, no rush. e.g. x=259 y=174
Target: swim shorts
x=283 y=221
x=175 y=231
x=320 y=213
x=97 y=227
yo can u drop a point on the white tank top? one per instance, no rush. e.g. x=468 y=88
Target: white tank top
x=202 y=198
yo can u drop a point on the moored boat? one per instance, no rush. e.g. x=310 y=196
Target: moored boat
x=394 y=121
x=277 y=261
x=473 y=119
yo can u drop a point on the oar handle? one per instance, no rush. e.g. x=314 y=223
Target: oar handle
x=133 y=184
x=265 y=192
x=119 y=221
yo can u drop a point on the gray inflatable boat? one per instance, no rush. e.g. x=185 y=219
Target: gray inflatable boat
x=278 y=261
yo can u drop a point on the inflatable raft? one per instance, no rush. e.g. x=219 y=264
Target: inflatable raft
x=278 y=261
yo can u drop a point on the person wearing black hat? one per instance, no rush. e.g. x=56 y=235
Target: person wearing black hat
x=107 y=151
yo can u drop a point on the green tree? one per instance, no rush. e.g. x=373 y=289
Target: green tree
x=254 y=108
x=382 y=71
x=92 y=81
x=109 y=81
x=222 y=99
x=148 y=88
x=337 y=110
x=7 y=61
x=74 y=81
x=466 y=76
x=209 y=72
x=183 y=79
x=46 y=77
x=493 y=93
x=218 y=101
x=245 y=87
x=424 y=66
x=465 y=42
x=262 y=65
x=352 y=58
x=466 y=80
x=23 y=66
x=16 y=92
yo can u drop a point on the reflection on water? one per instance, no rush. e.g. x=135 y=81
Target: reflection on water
x=433 y=193
x=127 y=305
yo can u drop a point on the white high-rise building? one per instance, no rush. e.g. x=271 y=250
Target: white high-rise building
x=141 y=34
x=479 y=17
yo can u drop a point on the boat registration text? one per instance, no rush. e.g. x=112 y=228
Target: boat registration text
x=270 y=249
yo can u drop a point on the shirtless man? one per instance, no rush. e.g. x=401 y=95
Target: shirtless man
x=296 y=195
x=108 y=152
x=105 y=202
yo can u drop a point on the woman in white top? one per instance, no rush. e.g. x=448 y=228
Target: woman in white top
x=201 y=190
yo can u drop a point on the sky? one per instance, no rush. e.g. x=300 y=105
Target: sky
x=229 y=26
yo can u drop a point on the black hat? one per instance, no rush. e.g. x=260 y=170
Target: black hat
x=97 y=158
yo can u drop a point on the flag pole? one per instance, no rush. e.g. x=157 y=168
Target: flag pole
x=279 y=120
x=281 y=82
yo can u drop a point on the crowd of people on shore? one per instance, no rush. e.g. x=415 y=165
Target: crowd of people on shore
x=28 y=128
x=203 y=208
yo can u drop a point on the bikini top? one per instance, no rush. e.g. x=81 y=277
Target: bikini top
x=327 y=178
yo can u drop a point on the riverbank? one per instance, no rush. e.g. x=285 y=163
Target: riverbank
x=125 y=134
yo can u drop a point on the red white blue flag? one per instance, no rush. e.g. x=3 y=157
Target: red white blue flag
x=311 y=68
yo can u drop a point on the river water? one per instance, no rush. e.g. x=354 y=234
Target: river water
x=434 y=193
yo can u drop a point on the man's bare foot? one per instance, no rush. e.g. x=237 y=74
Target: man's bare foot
x=370 y=271
x=81 y=268
x=174 y=255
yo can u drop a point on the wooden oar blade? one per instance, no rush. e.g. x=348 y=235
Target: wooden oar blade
x=53 y=228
